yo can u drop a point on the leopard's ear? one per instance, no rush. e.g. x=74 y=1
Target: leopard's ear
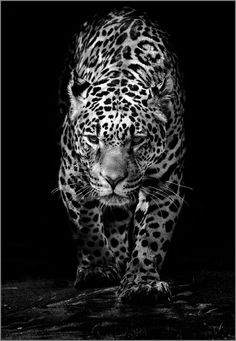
x=77 y=91
x=160 y=96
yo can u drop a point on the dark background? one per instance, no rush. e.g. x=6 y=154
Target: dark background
x=36 y=239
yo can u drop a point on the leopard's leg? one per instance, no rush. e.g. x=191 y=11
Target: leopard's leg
x=97 y=265
x=153 y=227
x=118 y=223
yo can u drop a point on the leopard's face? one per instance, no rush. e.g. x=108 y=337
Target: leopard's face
x=117 y=148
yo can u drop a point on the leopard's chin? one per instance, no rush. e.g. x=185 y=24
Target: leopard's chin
x=114 y=200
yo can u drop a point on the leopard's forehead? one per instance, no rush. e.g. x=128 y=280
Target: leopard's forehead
x=118 y=125
x=116 y=95
x=117 y=109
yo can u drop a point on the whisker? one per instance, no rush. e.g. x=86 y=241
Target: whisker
x=57 y=189
x=167 y=196
x=82 y=193
x=175 y=194
x=163 y=192
x=179 y=185
x=155 y=201
x=170 y=182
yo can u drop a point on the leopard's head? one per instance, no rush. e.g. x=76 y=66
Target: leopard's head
x=117 y=136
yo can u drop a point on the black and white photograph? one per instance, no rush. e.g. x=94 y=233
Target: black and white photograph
x=118 y=170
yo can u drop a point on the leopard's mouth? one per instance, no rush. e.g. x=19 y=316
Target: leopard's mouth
x=114 y=200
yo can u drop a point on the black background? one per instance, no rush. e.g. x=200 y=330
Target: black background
x=36 y=239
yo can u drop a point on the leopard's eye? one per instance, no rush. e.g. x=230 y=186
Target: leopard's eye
x=93 y=139
x=138 y=139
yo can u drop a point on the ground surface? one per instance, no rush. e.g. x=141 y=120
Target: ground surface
x=202 y=308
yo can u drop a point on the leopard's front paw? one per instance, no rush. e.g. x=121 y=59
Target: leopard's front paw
x=96 y=277
x=145 y=293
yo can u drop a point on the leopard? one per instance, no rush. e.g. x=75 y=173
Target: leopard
x=122 y=152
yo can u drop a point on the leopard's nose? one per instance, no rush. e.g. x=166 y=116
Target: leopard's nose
x=113 y=181
x=114 y=176
x=114 y=167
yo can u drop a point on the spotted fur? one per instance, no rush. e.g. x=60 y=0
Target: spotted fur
x=122 y=152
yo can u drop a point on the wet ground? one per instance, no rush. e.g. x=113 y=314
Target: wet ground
x=202 y=308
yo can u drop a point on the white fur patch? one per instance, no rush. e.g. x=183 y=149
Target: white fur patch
x=142 y=203
x=161 y=116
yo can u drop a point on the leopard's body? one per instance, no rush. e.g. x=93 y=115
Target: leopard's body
x=122 y=152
